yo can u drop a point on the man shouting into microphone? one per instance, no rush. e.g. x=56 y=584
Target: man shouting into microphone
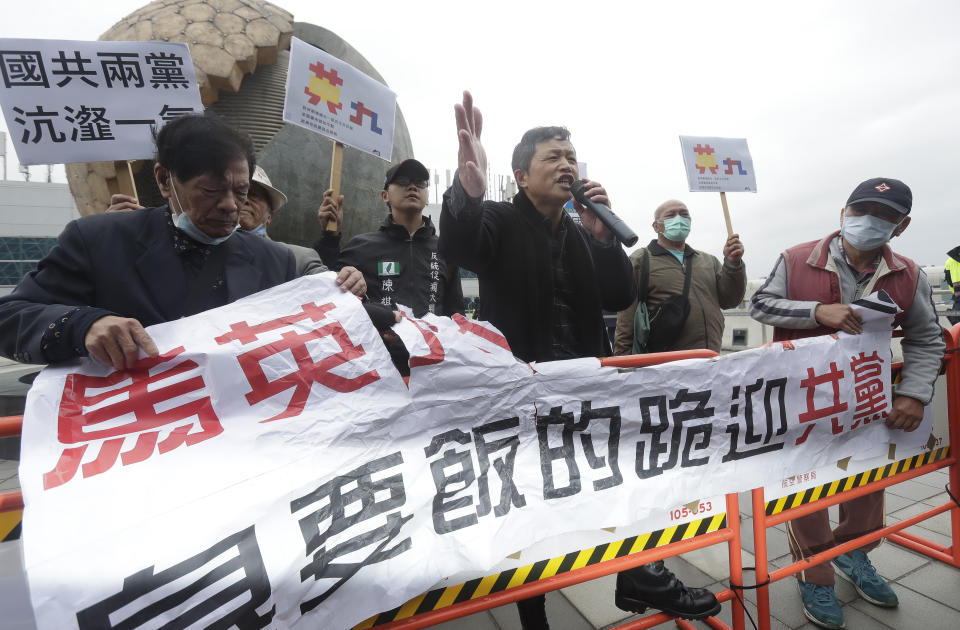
x=544 y=282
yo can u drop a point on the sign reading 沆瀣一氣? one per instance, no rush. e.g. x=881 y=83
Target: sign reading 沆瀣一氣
x=330 y=97
x=718 y=164
x=78 y=101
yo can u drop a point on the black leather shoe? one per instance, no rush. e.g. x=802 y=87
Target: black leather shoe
x=654 y=586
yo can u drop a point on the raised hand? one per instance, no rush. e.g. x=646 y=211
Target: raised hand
x=471 y=158
x=330 y=210
x=123 y=203
x=733 y=249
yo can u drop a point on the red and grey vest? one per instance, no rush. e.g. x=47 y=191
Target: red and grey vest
x=809 y=278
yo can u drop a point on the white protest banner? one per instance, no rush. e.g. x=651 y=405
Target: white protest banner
x=718 y=164
x=332 y=98
x=75 y=101
x=270 y=468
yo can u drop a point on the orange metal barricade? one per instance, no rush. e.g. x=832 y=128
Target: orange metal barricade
x=11 y=426
x=949 y=555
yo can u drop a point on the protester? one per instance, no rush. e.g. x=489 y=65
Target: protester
x=112 y=274
x=660 y=270
x=951 y=271
x=808 y=294
x=257 y=213
x=544 y=282
x=263 y=200
x=693 y=321
x=400 y=260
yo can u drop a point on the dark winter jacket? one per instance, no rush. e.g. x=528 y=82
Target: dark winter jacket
x=124 y=264
x=508 y=246
x=399 y=268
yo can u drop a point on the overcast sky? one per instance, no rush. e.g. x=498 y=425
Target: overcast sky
x=827 y=94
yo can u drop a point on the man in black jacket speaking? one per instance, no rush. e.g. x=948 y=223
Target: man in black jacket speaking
x=544 y=282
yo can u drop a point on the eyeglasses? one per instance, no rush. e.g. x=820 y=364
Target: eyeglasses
x=403 y=182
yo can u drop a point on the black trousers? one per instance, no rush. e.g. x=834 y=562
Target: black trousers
x=533 y=613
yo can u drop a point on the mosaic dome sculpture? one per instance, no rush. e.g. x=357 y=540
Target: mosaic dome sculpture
x=239 y=50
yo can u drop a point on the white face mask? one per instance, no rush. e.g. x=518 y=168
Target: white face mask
x=182 y=221
x=867 y=232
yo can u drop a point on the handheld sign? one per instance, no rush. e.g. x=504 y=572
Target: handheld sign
x=76 y=101
x=718 y=165
x=330 y=97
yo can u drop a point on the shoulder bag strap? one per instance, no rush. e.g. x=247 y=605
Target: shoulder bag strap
x=645 y=276
x=686 y=277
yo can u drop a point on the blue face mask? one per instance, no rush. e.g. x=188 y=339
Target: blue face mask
x=183 y=222
x=867 y=232
x=676 y=228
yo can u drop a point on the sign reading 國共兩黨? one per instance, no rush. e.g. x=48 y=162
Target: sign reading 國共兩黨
x=718 y=164
x=332 y=98
x=273 y=454
x=77 y=101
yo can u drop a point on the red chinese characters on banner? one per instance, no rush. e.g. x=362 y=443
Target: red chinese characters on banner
x=82 y=419
x=307 y=371
x=429 y=332
x=868 y=387
x=437 y=353
x=832 y=379
x=468 y=327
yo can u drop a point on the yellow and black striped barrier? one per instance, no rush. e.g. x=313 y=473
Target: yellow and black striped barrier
x=443 y=597
x=809 y=495
x=10 y=523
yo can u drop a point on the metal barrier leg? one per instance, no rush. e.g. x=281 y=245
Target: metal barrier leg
x=949 y=555
x=953 y=420
x=735 y=547
x=760 y=557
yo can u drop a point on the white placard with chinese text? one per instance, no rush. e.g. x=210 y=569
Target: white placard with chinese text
x=718 y=164
x=75 y=101
x=273 y=456
x=330 y=97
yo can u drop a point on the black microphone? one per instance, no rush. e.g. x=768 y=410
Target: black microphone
x=614 y=223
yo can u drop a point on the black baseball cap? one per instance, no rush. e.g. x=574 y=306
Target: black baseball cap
x=890 y=192
x=411 y=168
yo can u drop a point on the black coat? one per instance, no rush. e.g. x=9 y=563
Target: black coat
x=419 y=267
x=121 y=264
x=508 y=246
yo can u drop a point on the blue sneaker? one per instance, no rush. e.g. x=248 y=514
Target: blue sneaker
x=855 y=568
x=820 y=605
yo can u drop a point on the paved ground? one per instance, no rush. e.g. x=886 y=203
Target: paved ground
x=929 y=591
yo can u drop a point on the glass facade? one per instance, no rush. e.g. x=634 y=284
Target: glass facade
x=19 y=256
